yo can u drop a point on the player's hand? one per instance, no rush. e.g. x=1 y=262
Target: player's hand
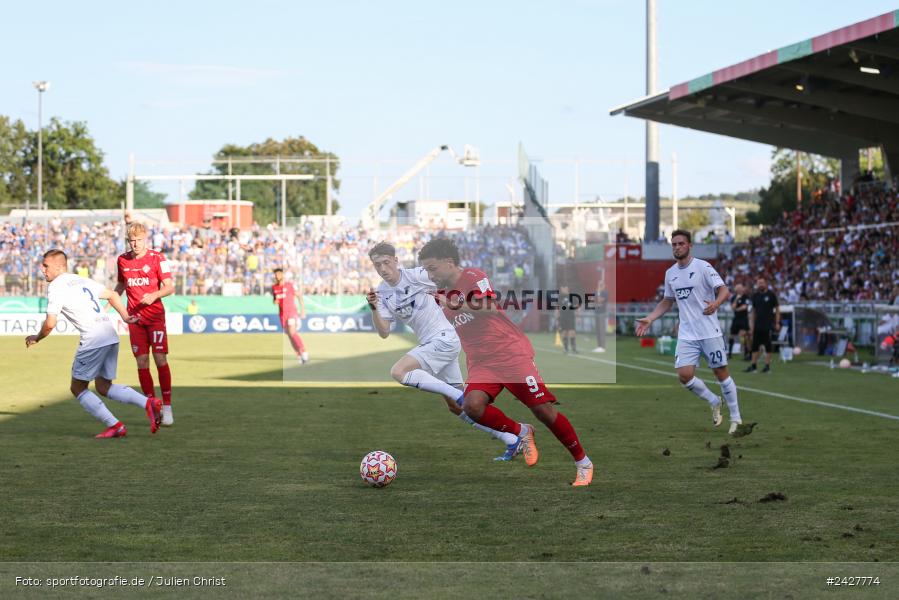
x=710 y=307
x=30 y=341
x=643 y=326
x=131 y=319
x=372 y=297
x=148 y=299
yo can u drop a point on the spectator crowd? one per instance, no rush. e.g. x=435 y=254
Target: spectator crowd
x=834 y=247
x=329 y=256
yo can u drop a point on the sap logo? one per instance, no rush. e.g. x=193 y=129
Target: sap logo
x=462 y=319
x=683 y=293
x=405 y=311
x=138 y=281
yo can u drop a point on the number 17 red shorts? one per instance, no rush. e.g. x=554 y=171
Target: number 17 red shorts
x=145 y=336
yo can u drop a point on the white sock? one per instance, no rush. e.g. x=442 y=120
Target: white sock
x=698 y=387
x=729 y=391
x=92 y=404
x=421 y=379
x=505 y=437
x=121 y=393
x=584 y=462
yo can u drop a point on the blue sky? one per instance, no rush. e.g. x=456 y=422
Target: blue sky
x=380 y=84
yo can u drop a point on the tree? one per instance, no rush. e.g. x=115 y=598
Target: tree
x=144 y=196
x=14 y=177
x=303 y=197
x=780 y=195
x=693 y=220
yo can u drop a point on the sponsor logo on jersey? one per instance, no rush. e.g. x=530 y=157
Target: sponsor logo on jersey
x=462 y=318
x=483 y=285
x=683 y=293
x=691 y=274
x=137 y=281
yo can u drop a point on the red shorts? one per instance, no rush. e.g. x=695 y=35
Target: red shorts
x=522 y=380
x=151 y=334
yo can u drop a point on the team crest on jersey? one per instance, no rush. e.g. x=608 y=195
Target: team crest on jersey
x=146 y=269
x=683 y=293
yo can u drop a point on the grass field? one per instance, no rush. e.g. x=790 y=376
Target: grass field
x=265 y=472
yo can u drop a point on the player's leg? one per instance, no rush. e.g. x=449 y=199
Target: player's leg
x=409 y=372
x=159 y=340
x=572 y=335
x=769 y=352
x=529 y=388
x=564 y=339
x=756 y=343
x=84 y=368
x=686 y=359
x=477 y=405
x=296 y=342
x=140 y=347
x=715 y=356
x=103 y=381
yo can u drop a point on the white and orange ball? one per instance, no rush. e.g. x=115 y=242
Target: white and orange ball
x=845 y=364
x=797 y=351
x=378 y=468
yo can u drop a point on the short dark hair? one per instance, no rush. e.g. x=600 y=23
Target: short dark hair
x=439 y=248
x=56 y=254
x=682 y=232
x=382 y=249
x=278 y=270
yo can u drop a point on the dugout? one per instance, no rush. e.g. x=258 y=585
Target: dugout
x=831 y=94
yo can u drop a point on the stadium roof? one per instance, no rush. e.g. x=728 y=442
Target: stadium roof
x=831 y=94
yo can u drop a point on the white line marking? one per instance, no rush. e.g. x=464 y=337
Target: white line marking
x=739 y=387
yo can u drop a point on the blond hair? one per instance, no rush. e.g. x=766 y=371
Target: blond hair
x=136 y=227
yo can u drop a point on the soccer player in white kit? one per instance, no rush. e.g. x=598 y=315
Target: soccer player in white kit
x=78 y=300
x=699 y=291
x=406 y=295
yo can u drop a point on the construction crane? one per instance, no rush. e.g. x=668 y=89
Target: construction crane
x=371 y=215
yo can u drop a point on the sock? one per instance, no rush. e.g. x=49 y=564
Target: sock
x=297 y=342
x=165 y=383
x=699 y=388
x=496 y=419
x=729 y=391
x=90 y=402
x=574 y=344
x=505 y=437
x=421 y=379
x=146 y=381
x=584 y=462
x=565 y=343
x=121 y=393
x=565 y=433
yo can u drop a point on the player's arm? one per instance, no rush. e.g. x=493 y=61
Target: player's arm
x=751 y=320
x=116 y=302
x=302 y=303
x=661 y=308
x=381 y=324
x=776 y=314
x=46 y=329
x=120 y=279
x=722 y=293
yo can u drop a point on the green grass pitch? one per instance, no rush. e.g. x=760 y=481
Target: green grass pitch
x=258 y=479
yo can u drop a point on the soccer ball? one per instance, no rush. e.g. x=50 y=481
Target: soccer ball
x=378 y=468
x=845 y=364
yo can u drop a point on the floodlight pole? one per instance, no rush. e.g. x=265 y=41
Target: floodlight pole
x=41 y=87
x=651 y=230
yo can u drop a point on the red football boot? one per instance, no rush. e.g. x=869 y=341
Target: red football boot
x=154 y=413
x=114 y=431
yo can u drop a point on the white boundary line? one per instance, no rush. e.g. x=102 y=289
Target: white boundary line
x=739 y=387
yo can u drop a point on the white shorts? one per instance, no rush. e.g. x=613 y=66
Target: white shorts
x=440 y=357
x=96 y=362
x=688 y=352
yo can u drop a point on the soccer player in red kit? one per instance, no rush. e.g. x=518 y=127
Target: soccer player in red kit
x=284 y=296
x=499 y=356
x=146 y=277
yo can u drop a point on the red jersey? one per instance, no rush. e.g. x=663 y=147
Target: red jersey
x=285 y=297
x=143 y=276
x=487 y=337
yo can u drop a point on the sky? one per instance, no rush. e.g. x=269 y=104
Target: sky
x=382 y=83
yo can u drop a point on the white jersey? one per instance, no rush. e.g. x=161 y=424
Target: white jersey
x=78 y=300
x=410 y=302
x=692 y=286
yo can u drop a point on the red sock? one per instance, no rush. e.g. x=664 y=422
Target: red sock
x=297 y=342
x=565 y=433
x=146 y=382
x=165 y=383
x=496 y=419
